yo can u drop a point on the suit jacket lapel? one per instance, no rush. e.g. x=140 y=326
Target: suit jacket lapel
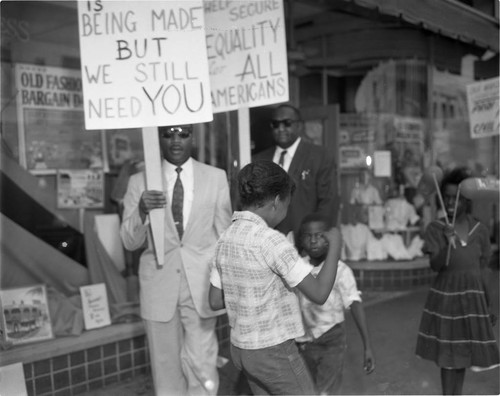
x=297 y=160
x=200 y=184
x=169 y=220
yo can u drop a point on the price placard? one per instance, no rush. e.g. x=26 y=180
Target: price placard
x=95 y=306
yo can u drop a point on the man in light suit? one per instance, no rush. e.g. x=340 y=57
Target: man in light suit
x=310 y=166
x=180 y=325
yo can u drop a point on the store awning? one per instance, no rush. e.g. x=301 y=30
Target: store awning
x=447 y=17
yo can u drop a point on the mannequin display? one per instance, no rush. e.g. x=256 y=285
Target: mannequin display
x=399 y=213
x=364 y=192
x=356 y=238
x=375 y=249
x=395 y=247
x=415 y=248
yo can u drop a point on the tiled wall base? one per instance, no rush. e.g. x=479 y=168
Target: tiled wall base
x=88 y=369
x=392 y=275
x=94 y=360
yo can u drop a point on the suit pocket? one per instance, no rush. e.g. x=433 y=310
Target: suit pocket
x=147 y=268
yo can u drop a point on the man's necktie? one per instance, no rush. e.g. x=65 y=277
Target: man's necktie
x=281 y=161
x=177 y=203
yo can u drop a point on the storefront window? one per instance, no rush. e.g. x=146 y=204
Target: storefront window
x=393 y=136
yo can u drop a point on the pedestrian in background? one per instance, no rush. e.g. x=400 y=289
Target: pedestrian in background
x=311 y=167
x=180 y=326
x=456 y=329
x=324 y=344
x=255 y=271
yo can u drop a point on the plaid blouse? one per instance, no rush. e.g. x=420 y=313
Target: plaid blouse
x=257 y=267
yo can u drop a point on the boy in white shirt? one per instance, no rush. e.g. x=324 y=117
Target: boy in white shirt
x=324 y=343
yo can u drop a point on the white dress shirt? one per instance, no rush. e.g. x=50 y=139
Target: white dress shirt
x=318 y=319
x=290 y=152
x=187 y=179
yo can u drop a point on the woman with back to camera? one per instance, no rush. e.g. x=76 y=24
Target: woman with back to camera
x=254 y=272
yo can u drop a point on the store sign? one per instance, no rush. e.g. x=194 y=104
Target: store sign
x=50 y=115
x=246 y=48
x=357 y=139
x=144 y=63
x=352 y=157
x=409 y=130
x=482 y=101
x=15 y=29
x=46 y=87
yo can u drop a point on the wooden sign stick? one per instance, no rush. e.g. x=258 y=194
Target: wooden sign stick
x=244 y=136
x=452 y=243
x=154 y=181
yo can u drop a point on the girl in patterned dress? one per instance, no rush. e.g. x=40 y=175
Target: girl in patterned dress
x=456 y=329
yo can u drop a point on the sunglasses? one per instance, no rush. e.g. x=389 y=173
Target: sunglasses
x=275 y=124
x=183 y=132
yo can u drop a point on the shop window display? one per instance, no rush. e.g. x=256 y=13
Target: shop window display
x=419 y=114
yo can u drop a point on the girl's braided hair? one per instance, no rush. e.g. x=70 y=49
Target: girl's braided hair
x=262 y=180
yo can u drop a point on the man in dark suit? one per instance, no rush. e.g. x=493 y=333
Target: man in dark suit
x=311 y=167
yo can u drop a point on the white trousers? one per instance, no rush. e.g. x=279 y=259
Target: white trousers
x=183 y=351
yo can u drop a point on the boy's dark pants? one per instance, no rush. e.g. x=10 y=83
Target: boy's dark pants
x=278 y=369
x=325 y=359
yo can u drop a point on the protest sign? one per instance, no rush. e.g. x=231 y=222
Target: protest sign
x=144 y=63
x=482 y=101
x=246 y=49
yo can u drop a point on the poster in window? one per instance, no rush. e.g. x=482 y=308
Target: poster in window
x=95 y=306
x=51 y=123
x=25 y=315
x=123 y=145
x=80 y=188
x=482 y=102
x=356 y=139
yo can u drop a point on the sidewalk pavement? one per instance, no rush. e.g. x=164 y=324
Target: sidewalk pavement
x=393 y=327
x=393 y=319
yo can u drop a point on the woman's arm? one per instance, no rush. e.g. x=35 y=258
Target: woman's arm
x=436 y=244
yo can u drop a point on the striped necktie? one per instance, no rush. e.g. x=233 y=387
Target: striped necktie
x=281 y=161
x=177 y=203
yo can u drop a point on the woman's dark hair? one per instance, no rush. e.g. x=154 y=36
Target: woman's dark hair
x=455 y=177
x=261 y=181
